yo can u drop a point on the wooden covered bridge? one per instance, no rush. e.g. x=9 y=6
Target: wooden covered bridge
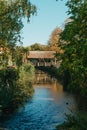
x=42 y=58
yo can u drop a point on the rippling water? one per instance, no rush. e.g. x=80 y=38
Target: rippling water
x=45 y=109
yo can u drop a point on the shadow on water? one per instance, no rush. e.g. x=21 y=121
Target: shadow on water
x=46 y=108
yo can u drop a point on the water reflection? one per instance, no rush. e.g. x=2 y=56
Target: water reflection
x=43 y=78
x=57 y=94
x=45 y=109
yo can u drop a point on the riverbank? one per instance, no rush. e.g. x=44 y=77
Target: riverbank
x=16 y=88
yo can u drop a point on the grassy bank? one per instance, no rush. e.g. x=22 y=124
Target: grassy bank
x=76 y=122
x=15 y=87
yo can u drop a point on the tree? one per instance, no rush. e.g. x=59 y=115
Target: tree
x=75 y=51
x=53 y=42
x=38 y=46
x=11 y=14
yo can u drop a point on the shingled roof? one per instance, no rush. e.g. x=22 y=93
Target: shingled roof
x=41 y=54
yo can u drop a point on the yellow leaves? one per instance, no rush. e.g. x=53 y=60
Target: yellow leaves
x=54 y=40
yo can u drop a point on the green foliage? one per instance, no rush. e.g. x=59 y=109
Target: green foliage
x=11 y=14
x=38 y=46
x=18 y=55
x=26 y=74
x=74 y=61
x=15 y=87
x=75 y=47
x=74 y=122
x=8 y=86
x=14 y=90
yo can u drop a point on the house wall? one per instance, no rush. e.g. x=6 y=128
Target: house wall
x=41 y=62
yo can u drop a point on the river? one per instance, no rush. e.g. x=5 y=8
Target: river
x=46 y=108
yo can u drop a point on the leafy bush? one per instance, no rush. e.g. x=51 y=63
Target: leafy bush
x=75 y=122
x=8 y=78
x=26 y=78
x=15 y=87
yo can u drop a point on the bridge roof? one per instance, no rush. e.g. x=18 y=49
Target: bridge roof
x=41 y=54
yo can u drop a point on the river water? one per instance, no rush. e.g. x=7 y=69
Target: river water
x=46 y=108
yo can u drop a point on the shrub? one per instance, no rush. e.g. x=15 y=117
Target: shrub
x=75 y=122
x=15 y=87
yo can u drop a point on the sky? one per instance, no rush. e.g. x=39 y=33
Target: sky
x=50 y=14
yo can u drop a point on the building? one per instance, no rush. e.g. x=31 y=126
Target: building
x=42 y=58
